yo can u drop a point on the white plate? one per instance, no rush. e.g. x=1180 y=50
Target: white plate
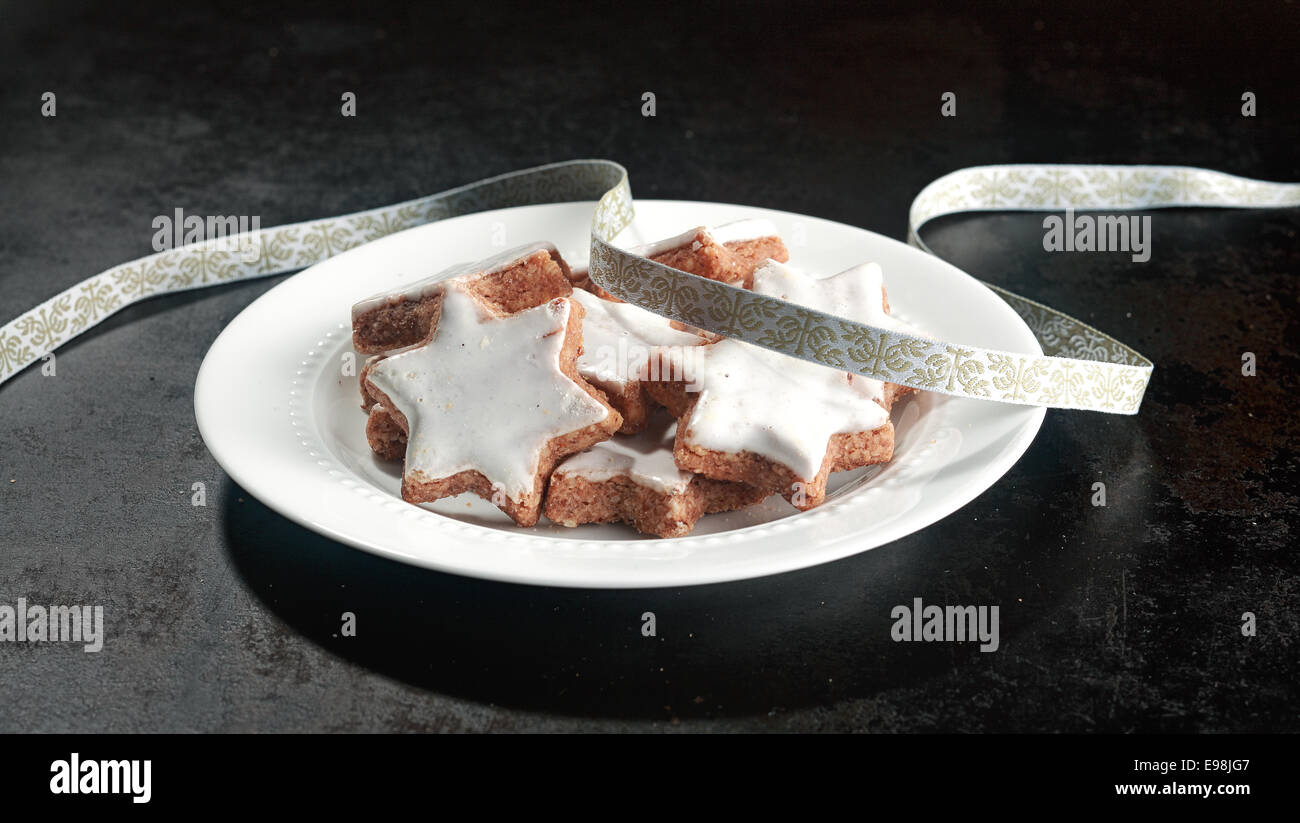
x=283 y=419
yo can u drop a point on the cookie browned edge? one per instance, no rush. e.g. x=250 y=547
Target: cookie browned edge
x=526 y=510
x=403 y=321
x=572 y=500
x=386 y=437
x=728 y=263
x=844 y=451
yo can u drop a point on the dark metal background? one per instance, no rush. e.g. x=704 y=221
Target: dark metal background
x=1118 y=618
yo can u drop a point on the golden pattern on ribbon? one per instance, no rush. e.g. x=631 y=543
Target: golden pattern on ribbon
x=1081 y=368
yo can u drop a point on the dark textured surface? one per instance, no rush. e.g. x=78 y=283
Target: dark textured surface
x=1118 y=618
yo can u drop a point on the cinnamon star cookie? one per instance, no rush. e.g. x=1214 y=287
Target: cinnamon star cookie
x=513 y=280
x=491 y=402
x=634 y=479
x=776 y=422
x=728 y=253
x=616 y=342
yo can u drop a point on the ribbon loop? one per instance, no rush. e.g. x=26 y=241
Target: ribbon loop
x=1082 y=368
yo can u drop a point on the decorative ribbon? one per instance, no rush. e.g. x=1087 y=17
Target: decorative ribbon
x=1083 y=369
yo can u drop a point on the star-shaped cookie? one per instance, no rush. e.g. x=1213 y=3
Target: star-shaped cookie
x=634 y=479
x=515 y=279
x=728 y=253
x=491 y=402
x=773 y=421
x=616 y=342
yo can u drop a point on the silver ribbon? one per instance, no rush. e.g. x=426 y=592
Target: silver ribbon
x=1082 y=368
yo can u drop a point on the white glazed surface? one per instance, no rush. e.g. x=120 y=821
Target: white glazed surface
x=499 y=429
x=645 y=458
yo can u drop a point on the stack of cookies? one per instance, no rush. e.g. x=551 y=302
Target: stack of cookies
x=519 y=380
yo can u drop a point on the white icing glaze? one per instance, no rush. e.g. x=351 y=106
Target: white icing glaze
x=617 y=338
x=739 y=231
x=486 y=393
x=668 y=243
x=786 y=409
x=433 y=284
x=733 y=232
x=856 y=293
x=645 y=458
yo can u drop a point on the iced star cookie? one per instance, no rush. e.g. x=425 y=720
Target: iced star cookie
x=492 y=402
x=751 y=243
x=841 y=295
x=777 y=422
x=616 y=342
x=634 y=480
x=728 y=253
x=513 y=280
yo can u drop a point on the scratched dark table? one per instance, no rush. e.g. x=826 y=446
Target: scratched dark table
x=1126 y=617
